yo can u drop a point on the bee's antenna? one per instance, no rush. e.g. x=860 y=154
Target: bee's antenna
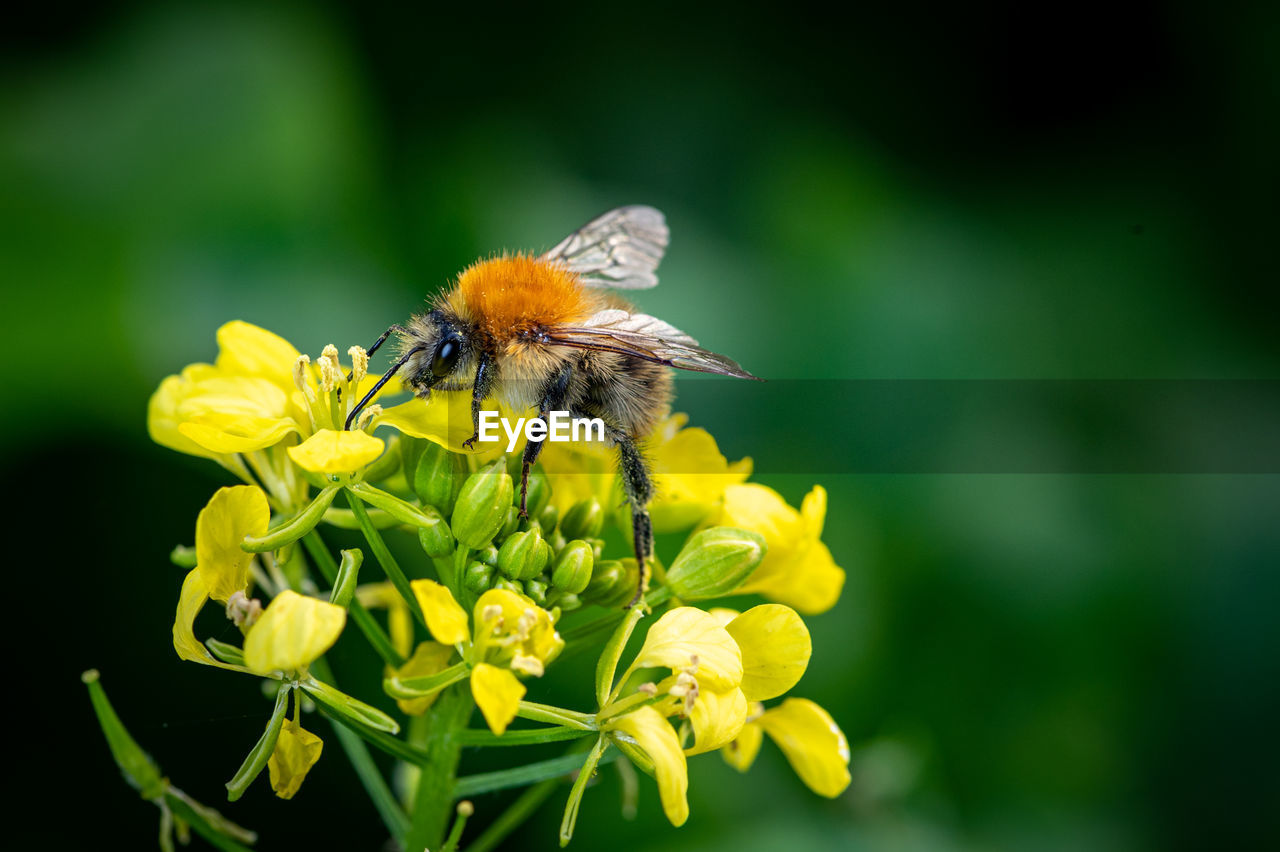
x=374 y=348
x=373 y=391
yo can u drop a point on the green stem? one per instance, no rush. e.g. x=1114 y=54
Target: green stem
x=389 y=565
x=434 y=801
x=532 y=736
x=579 y=787
x=364 y=619
x=367 y=771
x=520 y=776
x=511 y=819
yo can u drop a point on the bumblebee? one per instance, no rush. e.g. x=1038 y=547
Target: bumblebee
x=545 y=332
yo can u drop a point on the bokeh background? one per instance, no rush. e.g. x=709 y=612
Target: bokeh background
x=1066 y=655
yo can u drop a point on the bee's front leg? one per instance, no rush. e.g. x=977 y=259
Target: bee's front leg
x=485 y=375
x=554 y=394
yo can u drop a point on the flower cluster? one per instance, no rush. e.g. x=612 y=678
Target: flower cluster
x=492 y=598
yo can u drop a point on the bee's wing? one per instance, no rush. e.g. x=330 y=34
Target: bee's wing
x=620 y=249
x=646 y=337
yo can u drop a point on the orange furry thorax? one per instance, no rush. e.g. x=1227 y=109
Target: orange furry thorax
x=508 y=296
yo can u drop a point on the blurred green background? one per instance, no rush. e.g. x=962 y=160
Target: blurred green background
x=1050 y=661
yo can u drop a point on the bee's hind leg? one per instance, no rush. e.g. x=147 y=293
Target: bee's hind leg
x=638 y=485
x=553 y=398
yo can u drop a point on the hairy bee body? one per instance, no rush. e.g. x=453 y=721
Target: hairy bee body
x=503 y=308
x=545 y=332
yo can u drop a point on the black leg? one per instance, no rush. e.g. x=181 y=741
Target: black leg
x=485 y=375
x=553 y=399
x=639 y=490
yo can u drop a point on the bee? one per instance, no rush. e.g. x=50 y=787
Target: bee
x=545 y=332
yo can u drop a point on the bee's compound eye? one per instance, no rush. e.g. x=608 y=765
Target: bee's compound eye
x=446 y=358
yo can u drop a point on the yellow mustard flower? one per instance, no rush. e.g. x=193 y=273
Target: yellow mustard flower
x=689 y=471
x=296 y=751
x=261 y=392
x=813 y=744
x=704 y=686
x=222 y=568
x=292 y=632
x=511 y=634
x=798 y=569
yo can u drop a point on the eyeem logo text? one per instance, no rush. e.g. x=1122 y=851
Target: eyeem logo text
x=559 y=426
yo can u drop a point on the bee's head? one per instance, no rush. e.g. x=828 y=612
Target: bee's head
x=437 y=350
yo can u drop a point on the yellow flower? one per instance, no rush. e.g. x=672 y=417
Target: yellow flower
x=292 y=632
x=798 y=569
x=222 y=568
x=296 y=751
x=511 y=634
x=689 y=471
x=260 y=392
x=809 y=738
x=704 y=685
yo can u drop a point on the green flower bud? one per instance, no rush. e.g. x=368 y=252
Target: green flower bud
x=488 y=555
x=539 y=493
x=547 y=517
x=585 y=519
x=510 y=585
x=572 y=571
x=714 y=562
x=521 y=556
x=482 y=506
x=436 y=540
x=510 y=523
x=613 y=583
x=568 y=602
x=536 y=590
x=433 y=478
x=478 y=578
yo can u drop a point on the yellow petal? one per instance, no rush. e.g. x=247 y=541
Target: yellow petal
x=690 y=476
x=687 y=634
x=247 y=350
x=225 y=433
x=445 y=419
x=650 y=730
x=741 y=753
x=813 y=743
x=445 y=619
x=428 y=658
x=292 y=632
x=775 y=648
x=811 y=582
x=296 y=751
x=331 y=451
x=497 y=693
x=717 y=717
x=192 y=599
x=163 y=419
x=222 y=524
x=814 y=511
x=798 y=569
